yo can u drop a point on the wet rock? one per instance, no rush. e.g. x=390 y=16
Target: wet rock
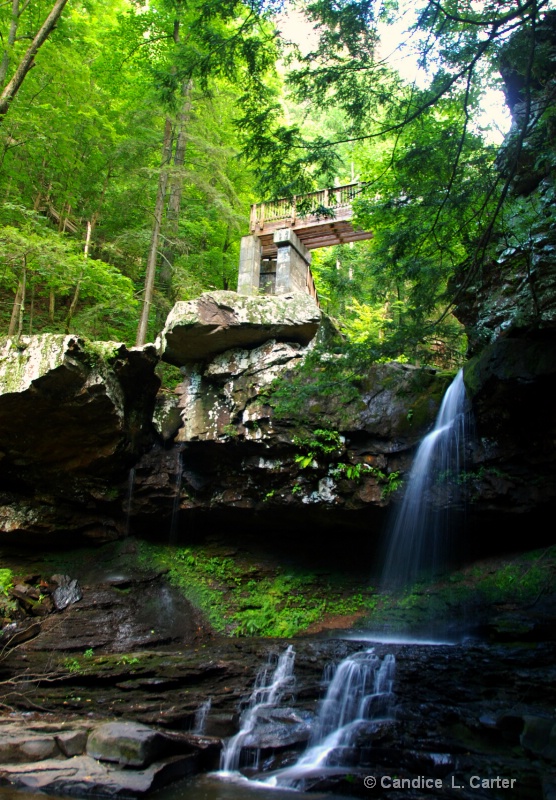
x=72 y=743
x=219 y=321
x=127 y=743
x=278 y=728
x=21 y=747
x=539 y=736
x=66 y=592
x=83 y=776
x=510 y=385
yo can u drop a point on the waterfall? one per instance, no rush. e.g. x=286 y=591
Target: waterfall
x=201 y=716
x=270 y=686
x=359 y=693
x=420 y=537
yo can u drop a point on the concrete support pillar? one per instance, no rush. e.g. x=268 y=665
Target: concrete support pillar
x=249 y=265
x=292 y=263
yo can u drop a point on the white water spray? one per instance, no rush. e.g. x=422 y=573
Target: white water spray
x=271 y=684
x=359 y=694
x=201 y=716
x=420 y=538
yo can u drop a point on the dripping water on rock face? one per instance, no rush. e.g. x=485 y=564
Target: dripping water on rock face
x=177 y=496
x=420 y=539
x=129 y=499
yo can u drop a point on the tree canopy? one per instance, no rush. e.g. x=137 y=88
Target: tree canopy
x=131 y=151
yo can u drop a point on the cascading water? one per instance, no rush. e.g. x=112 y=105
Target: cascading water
x=201 y=717
x=420 y=538
x=271 y=684
x=359 y=694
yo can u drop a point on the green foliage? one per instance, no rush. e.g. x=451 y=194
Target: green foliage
x=238 y=600
x=126 y=660
x=353 y=472
x=72 y=665
x=325 y=376
x=170 y=376
x=389 y=483
x=321 y=442
x=99 y=352
x=230 y=430
x=6 y=581
x=8 y=606
x=81 y=149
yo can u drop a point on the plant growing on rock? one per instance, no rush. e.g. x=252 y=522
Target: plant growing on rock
x=6 y=581
x=322 y=442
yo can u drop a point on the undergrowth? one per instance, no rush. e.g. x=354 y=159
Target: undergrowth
x=518 y=582
x=240 y=601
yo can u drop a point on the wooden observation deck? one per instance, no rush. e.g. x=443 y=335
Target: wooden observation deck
x=319 y=219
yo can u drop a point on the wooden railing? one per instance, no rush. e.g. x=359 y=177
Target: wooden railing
x=289 y=210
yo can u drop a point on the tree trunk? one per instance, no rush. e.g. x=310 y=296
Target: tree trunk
x=22 y=304
x=28 y=60
x=32 y=310
x=153 y=250
x=14 y=23
x=51 y=305
x=16 y=319
x=174 y=199
x=75 y=298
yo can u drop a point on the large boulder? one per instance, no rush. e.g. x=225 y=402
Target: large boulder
x=241 y=451
x=219 y=321
x=71 y=405
x=129 y=744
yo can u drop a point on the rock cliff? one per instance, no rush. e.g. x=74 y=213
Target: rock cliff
x=74 y=417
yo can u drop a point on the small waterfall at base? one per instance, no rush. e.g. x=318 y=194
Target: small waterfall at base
x=420 y=538
x=201 y=717
x=271 y=683
x=358 y=696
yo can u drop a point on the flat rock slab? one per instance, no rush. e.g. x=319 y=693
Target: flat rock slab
x=218 y=321
x=84 y=775
x=21 y=744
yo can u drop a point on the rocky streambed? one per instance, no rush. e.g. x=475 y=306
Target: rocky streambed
x=117 y=724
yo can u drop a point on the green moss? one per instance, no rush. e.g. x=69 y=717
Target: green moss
x=239 y=601
x=322 y=389
x=519 y=581
x=96 y=353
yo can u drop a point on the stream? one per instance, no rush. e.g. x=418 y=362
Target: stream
x=203 y=787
